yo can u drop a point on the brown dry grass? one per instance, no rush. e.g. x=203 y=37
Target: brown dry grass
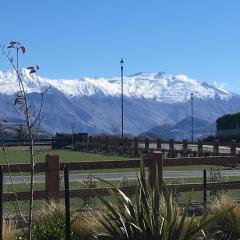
x=9 y=230
x=86 y=224
x=226 y=202
x=227 y=227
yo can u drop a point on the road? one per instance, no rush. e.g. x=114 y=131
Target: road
x=121 y=175
x=193 y=147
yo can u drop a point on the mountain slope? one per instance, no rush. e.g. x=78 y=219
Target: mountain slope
x=94 y=104
x=182 y=130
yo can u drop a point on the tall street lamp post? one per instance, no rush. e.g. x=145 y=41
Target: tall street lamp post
x=192 y=114
x=121 y=63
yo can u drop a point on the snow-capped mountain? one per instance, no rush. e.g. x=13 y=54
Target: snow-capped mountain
x=93 y=104
x=159 y=86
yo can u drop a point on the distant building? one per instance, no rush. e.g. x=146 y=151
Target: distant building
x=228 y=126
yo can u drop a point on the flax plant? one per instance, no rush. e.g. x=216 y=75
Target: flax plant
x=151 y=214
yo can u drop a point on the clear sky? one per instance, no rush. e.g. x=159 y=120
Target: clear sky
x=74 y=38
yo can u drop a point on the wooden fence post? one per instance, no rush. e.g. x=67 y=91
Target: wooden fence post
x=90 y=143
x=102 y=141
x=233 y=147
x=94 y=144
x=156 y=159
x=146 y=143
x=171 y=144
x=53 y=143
x=159 y=143
x=216 y=147
x=73 y=140
x=200 y=147
x=107 y=144
x=1 y=202
x=185 y=144
x=125 y=144
x=98 y=143
x=52 y=177
x=111 y=144
x=116 y=147
x=135 y=146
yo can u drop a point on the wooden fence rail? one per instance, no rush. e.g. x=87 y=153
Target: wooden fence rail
x=22 y=142
x=83 y=193
x=135 y=145
x=52 y=168
x=131 y=146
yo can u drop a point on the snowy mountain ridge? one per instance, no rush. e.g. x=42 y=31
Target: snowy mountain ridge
x=160 y=87
x=93 y=105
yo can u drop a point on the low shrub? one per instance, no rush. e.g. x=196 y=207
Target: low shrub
x=49 y=224
x=85 y=225
x=152 y=214
x=227 y=227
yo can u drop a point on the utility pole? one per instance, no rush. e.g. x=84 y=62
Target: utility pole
x=122 y=62
x=192 y=114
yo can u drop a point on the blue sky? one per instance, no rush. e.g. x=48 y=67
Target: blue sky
x=69 y=39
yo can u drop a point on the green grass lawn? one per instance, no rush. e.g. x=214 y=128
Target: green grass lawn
x=79 y=203
x=21 y=155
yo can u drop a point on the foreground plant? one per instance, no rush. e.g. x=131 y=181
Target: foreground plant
x=228 y=227
x=152 y=214
x=49 y=224
x=32 y=115
x=9 y=230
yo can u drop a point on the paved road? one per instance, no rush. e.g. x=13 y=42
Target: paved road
x=120 y=176
x=193 y=147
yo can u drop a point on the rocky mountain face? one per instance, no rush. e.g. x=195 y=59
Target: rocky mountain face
x=94 y=104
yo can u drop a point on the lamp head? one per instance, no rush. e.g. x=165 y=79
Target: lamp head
x=121 y=62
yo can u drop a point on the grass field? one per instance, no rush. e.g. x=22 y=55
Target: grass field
x=20 y=155
x=79 y=203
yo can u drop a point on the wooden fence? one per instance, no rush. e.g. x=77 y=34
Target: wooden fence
x=24 y=142
x=135 y=146
x=53 y=167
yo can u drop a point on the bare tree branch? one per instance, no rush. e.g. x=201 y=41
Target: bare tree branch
x=32 y=117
